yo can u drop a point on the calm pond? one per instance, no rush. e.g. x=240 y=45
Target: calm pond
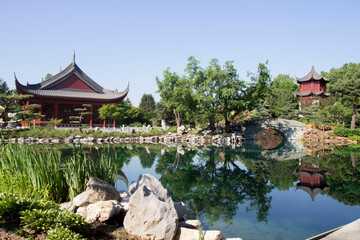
x=250 y=192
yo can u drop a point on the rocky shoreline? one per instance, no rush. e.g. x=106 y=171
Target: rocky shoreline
x=145 y=210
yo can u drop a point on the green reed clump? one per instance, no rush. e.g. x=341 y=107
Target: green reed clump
x=47 y=170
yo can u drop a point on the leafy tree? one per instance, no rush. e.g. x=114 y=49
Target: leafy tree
x=284 y=81
x=4 y=89
x=282 y=101
x=345 y=83
x=11 y=103
x=177 y=95
x=147 y=106
x=49 y=75
x=147 y=103
x=218 y=90
x=310 y=113
x=82 y=113
x=122 y=112
x=259 y=88
x=27 y=113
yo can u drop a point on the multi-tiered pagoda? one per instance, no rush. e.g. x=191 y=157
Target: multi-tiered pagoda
x=312 y=88
x=69 y=89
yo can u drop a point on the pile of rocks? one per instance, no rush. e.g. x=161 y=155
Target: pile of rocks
x=315 y=135
x=146 y=210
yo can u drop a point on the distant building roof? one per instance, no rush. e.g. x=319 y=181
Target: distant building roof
x=54 y=86
x=312 y=75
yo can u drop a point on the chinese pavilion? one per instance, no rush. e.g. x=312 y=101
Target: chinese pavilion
x=69 y=89
x=312 y=88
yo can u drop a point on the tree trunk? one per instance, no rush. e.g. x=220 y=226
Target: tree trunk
x=177 y=118
x=353 y=119
x=227 y=126
x=212 y=123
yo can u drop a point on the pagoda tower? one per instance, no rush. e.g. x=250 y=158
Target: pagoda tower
x=312 y=88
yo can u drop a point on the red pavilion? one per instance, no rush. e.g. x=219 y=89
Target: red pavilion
x=312 y=88
x=69 y=89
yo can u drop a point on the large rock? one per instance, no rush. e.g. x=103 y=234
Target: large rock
x=101 y=211
x=151 y=216
x=153 y=185
x=96 y=190
x=187 y=233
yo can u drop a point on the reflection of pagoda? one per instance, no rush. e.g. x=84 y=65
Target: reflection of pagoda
x=312 y=179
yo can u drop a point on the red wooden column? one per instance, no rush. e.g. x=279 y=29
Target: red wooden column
x=114 y=123
x=56 y=110
x=24 y=124
x=104 y=123
x=91 y=116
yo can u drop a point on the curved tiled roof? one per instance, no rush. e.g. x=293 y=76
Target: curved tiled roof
x=312 y=75
x=46 y=88
x=315 y=93
x=69 y=93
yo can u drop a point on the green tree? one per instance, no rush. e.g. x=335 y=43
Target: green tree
x=345 y=83
x=49 y=75
x=259 y=87
x=11 y=103
x=27 y=113
x=122 y=112
x=82 y=113
x=4 y=89
x=282 y=101
x=218 y=90
x=284 y=81
x=147 y=106
x=177 y=95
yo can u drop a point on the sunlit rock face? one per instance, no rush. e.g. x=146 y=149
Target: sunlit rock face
x=268 y=138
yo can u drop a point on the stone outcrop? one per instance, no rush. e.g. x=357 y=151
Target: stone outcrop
x=96 y=190
x=152 y=213
x=101 y=211
x=151 y=216
x=187 y=233
x=149 y=212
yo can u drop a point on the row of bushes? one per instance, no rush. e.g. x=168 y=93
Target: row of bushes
x=49 y=132
x=346 y=132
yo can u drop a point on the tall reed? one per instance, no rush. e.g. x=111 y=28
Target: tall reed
x=62 y=176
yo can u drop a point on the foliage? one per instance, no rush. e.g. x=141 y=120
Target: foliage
x=49 y=75
x=177 y=95
x=309 y=113
x=44 y=220
x=61 y=233
x=122 y=112
x=39 y=215
x=345 y=132
x=10 y=104
x=81 y=114
x=218 y=90
x=284 y=81
x=4 y=89
x=147 y=106
x=55 y=122
x=345 y=83
x=63 y=176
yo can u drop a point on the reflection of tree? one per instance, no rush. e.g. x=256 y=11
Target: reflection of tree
x=147 y=157
x=344 y=179
x=215 y=189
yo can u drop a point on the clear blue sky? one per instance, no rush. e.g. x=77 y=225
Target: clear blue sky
x=117 y=42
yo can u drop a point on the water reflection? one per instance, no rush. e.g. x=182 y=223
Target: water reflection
x=229 y=185
x=312 y=178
